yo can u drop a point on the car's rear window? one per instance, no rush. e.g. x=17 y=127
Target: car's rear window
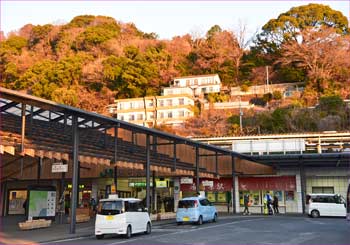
x=186 y=204
x=110 y=207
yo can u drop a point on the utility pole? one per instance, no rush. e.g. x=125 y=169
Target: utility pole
x=240 y=116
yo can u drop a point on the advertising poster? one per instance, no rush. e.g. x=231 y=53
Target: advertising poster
x=289 y=195
x=42 y=203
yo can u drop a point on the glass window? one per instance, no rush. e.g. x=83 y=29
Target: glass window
x=211 y=196
x=161 y=114
x=139 y=116
x=181 y=113
x=161 y=103
x=17 y=199
x=222 y=197
x=169 y=102
x=110 y=207
x=150 y=103
x=187 y=203
x=322 y=189
x=254 y=197
x=204 y=202
x=131 y=117
x=134 y=206
x=170 y=114
x=181 y=101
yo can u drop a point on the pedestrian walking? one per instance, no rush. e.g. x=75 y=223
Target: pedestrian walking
x=268 y=201
x=246 y=204
x=275 y=204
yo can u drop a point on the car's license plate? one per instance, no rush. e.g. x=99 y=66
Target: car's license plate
x=109 y=217
x=185 y=219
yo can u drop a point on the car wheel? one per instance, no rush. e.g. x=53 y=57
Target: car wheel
x=315 y=214
x=179 y=223
x=99 y=237
x=215 y=219
x=200 y=220
x=148 y=228
x=128 y=232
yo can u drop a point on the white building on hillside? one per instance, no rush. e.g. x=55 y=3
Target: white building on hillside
x=154 y=110
x=194 y=85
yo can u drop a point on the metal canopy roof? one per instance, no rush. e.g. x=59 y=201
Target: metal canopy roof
x=310 y=160
x=51 y=111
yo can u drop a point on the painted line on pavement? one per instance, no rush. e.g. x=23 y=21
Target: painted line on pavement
x=66 y=240
x=186 y=231
x=159 y=229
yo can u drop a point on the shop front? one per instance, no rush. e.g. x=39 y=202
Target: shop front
x=162 y=196
x=283 y=187
x=219 y=191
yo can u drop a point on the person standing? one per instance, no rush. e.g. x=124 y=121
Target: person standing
x=93 y=205
x=246 y=204
x=275 y=204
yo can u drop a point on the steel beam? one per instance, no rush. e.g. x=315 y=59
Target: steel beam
x=75 y=174
x=116 y=131
x=23 y=134
x=148 y=167
x=302 y=183
x=197 y=169
x=233 y=198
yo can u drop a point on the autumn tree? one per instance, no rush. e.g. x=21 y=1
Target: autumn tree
x=321 y=52
x=288 y=25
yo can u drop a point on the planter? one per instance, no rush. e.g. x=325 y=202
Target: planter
x=34 y=224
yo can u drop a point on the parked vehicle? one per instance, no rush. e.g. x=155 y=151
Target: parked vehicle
x=125 y=216
x=325 y=205
x=195 y=209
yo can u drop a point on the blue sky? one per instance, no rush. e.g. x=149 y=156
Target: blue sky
x=166 y=18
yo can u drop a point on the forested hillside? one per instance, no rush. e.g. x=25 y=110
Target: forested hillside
x=92 y=60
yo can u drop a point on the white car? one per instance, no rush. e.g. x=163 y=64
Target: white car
x=124 y=216
x=325 y=205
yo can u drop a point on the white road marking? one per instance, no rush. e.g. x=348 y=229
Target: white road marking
x=184 y=231
x=66 y=240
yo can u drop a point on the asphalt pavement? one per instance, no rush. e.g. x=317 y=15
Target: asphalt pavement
x=237 y=230
x=233 y=229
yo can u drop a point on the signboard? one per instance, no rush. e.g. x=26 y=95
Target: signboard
x=42 y=203
x=208 y=183
x=186 y=181
x=161 y=183
x=139 y=184
x=285 y=183
x=59 y=168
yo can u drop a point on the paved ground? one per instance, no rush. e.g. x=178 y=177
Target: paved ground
x=238 y=230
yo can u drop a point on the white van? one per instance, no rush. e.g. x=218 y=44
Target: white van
x=325 y=205
x=124 y=216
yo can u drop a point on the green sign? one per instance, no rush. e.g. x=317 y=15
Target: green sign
x=42 y=203
x=138 y=184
